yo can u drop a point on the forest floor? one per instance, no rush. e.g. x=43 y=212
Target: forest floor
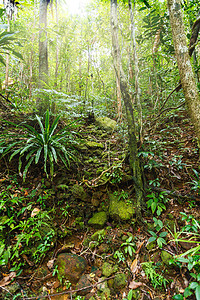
x=170 y=154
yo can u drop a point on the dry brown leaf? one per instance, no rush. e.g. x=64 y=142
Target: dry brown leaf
x=50 y=264
x=35 y=212
x=6 y=280
x=134 y=285
x=134 y=266
x=30 y=263
x=139 y=247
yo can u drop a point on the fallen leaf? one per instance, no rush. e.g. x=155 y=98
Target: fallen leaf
x=134 y=285
x=50 y=264
x=134 y=266
x=6 y=280
x=35 y=212
x=25 y=193
x=139 y=247
x=30 y=263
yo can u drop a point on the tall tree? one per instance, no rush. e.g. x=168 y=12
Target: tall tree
x=134 y=159
x=43 y=54
x=184 y=65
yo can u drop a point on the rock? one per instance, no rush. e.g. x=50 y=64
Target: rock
x=98 y=220
x=106 y=123
x=166 y=257
x=70 y=267
x=79 y=193
x=82 y=283
x=151 y=245
x=119 y=210
x=120 y=281
x=107 y=269
x=106 y=294
x=94 y=145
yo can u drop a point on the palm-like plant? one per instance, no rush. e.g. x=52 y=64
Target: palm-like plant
x=35 y=146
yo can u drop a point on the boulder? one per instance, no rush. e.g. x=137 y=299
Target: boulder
x=98 y=220
x=106 y=123
x=120 y=281
x=120 y=210
x=82 y=285
x=166 y=257
x=70 y=267
x=79 y=193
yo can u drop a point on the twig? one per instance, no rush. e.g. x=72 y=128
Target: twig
x=71 y=291
x=3 y=288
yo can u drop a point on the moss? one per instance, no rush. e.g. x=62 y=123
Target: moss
x=120 y=210
x=120 y=281
x=166 y=257
x=106 y=123
x=98 y=220
x=95 y=145
x=107 y=269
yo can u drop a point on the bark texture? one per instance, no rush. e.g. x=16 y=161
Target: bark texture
x=184 y=65
x=43 y=51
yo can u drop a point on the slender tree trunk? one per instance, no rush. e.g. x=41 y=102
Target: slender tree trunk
x=57 y=49
x=137 y=84
x=134 y=160
x=7 y=57
x=184 y=65
x=43 y=105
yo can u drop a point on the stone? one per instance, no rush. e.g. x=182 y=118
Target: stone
x=106 y=123
x=98 y=220
x=166 y=257
x=120 y=281
x=106 y=294
x=94 y=145
x=78 y=192
x=107 y=269
x=119 y=210
x=83 y=283
x=70 y=267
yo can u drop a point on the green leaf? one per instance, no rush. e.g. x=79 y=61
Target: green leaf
x=40 y=123
x=37 y=156
x=163 y=234
x=153 y=207
x=153 y=233
x=27 y=167
x=197 y=292
x=151 y=239
x=178 y=297
x=193 y=285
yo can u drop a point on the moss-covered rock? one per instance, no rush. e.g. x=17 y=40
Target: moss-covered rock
x=120 y=281
x=98 y=220
x=70 y=267
x=106 y=123
x=106 y=294
x=166 y=257
x=120 y=210
x=94 y=145
x=78 y=192
x=107 y=269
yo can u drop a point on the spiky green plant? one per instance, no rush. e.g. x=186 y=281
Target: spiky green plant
x=35 y=146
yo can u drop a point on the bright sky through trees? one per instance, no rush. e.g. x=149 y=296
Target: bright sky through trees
x=76 y=6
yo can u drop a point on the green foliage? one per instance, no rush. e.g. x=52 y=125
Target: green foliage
x=115 y=176
x=191 y=258
x=36 y=146
x=151 y=273
x=156 y=202
x=119 y=255
x=121 y=195
x=196 y=182
x=129 y=246
x=6 y=44
x=129 y=296
x=158 y=238
x=25 y=233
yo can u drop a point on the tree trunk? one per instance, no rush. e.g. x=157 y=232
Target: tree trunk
x=137 y=84
x=184 y=65
x=7 y=57
x=43 y=55
x=134 y=160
